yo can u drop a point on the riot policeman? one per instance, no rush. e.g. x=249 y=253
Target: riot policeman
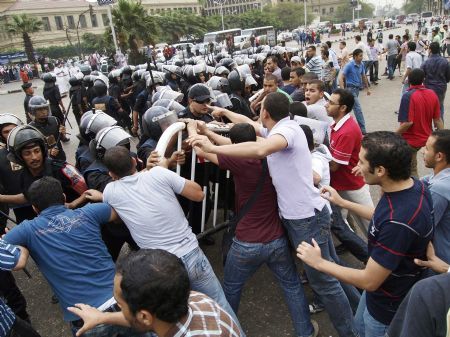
x=108 y=104
x=97 y=178
x=52 y=94
x=49 y=126
x=78 y=97
x=29 y=92
x=199 y=97
x=237 y=88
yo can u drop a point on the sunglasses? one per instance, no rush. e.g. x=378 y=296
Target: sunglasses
x=206 y=101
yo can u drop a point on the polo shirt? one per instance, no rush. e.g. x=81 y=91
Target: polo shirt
x=437 y=73
x=399 y=232
x=68 y=249
x=204 y=318
x=345 y=144
x=353 y=73
x=420 y=106
x=315 y=65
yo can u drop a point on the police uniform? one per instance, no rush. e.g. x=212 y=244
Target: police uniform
x=108 y=105
x=53 y=95
x=77 y=94
x=26 y=107
x=240 y=105
x=51 y=132
x=143 y=102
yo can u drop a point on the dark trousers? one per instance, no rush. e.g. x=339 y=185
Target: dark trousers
x=22 y=328
x=115 y=235
x=12 y=294
x=374 y=71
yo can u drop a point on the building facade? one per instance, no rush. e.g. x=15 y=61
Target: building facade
x=231 y=7
x=319 y=7
x=62 y=19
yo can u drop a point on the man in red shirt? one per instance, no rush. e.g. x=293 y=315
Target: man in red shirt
x=345 y=143
x=260 y=238
x=419 y=109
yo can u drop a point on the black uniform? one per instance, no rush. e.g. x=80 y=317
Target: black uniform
x=26 y=107
x=50 y=130
x=110 y=106
x=143 y=102
x=77 y=94
x=240 y=105
x=52 y=94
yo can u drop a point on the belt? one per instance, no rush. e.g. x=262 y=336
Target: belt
x=79 y=322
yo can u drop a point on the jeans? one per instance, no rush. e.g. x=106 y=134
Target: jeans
x=204 y=280
x=374 y=71
x=392 y=63
x=361 y=196
x=367 y=325
x=367 y=65
x=243 y=261
x=357 y=109
x=441 y=97
x=355 y=245
x=326 y=287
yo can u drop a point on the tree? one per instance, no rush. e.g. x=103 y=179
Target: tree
x=134 y=27
x=25 y=25
x=413 y=6
x=177 y=24
x=290 y=15
x=345 y=13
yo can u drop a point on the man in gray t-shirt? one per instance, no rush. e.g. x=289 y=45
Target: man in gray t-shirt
x=391 y=51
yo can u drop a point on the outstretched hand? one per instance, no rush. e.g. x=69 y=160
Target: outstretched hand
x=90 y=316
x=202 y=142
x=310 y=254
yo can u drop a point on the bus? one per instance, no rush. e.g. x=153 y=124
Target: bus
x=414 y=16
x=426 y=15
x=221 y=35
x=258 y=31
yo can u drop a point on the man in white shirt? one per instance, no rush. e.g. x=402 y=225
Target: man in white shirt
x=413 y=60
x=367 y=59
x=148 y=205
x=315 y=103
x=343 y=57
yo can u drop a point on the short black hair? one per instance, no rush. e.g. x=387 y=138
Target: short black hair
x=328 y=43
x=310 y=76
x=45 y=192
x=271 y=77
x=356 y=52
x=358 y=37
x=411 y=46
x=299 y=71
x=434 y=47
x=157 y=281
x=312 y=47
x=343 y=43
x=117 y=160
x=298 y=109
x=391 y=36
x=274 y=59
x=242 y=132
x=309 y=136
x=416 y=76
x=285 y=73
x=442 y=143
x=277 y=105
x=319 y=84
x=345 y=98
x=390 y=150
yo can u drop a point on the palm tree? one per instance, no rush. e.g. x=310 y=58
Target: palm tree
x=134 y=27
x=23 y=24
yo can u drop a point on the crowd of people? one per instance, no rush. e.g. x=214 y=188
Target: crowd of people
x=280 y=125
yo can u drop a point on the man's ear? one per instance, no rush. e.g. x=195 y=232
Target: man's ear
x=145 y=318
x=113 y=176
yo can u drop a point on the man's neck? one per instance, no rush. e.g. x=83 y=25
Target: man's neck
x=388 y=185
x=161 y=328
x=338 y=118
x=36 y=172
x=270 y=124
x=440 y=167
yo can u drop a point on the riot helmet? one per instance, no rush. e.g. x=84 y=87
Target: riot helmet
x=221 y=71
x=22 y=136
x=37 y=103
x=100 y=88
x=156 y=120
x=74 y=81
x=169 y=104
x=235 y=81
x=92 y=122
x=107 y=138
x=8 y=119
x=48 y=78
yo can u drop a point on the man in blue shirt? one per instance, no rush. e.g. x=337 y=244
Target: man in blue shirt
x=12 y=257
x=353 y=77
x=437 y=73
x=437 y=157
x=68 y=249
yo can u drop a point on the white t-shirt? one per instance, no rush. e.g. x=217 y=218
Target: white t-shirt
x=318 y=111
x=291 y=172
x=413 y=61
x=366 y=52
x=321 y=158
x=147 y=204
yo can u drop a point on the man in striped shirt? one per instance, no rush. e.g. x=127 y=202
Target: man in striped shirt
x=157 y=298
x=315 y=62
x=13 y=257
x=400 y=230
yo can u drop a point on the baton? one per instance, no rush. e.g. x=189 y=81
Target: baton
x=25 y=270
x=64 y=121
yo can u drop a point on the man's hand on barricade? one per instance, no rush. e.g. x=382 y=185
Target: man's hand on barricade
x=177 y=158
x=202 y=142
x=90 y=316
x=156 y=160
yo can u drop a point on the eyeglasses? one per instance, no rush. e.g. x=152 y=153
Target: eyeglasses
x=330 y=102
x=207 y=101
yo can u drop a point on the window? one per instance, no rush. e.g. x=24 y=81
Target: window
x=324 y=11
x=331 y=9
x=59 y=23
x=46 y=24
x=83 y=21
x=94 y=20
x=105 y=20
x=70 y=22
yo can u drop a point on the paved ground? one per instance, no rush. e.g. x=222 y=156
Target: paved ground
x=263 y=312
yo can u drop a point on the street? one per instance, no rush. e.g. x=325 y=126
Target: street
x=263 y=312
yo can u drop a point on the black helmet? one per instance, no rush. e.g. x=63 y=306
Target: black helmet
x=235 y=81
x=113 y=76
x=170 y=104
x=85 y=69
x=37 y=102
x=21 y=136
x=88 y=80
x=100 y=88
x=9 y=119
x=156 y=120
x=48 y=78
x=73 y=81
x=158 y=79
x=107 y=138
x=126 y=72
x=228 y=63
x=92 y=122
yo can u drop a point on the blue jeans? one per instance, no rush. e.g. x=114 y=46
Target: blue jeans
x=204 y=280
x=357 y=109
x=367 y=325
x=243 y=261
x=326 y=287
x=391 y=63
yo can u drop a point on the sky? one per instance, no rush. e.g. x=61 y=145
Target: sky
x=395 y=3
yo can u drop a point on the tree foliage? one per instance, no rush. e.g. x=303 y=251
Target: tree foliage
x=413 y=6
x=345 y=14
x=23 y=24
